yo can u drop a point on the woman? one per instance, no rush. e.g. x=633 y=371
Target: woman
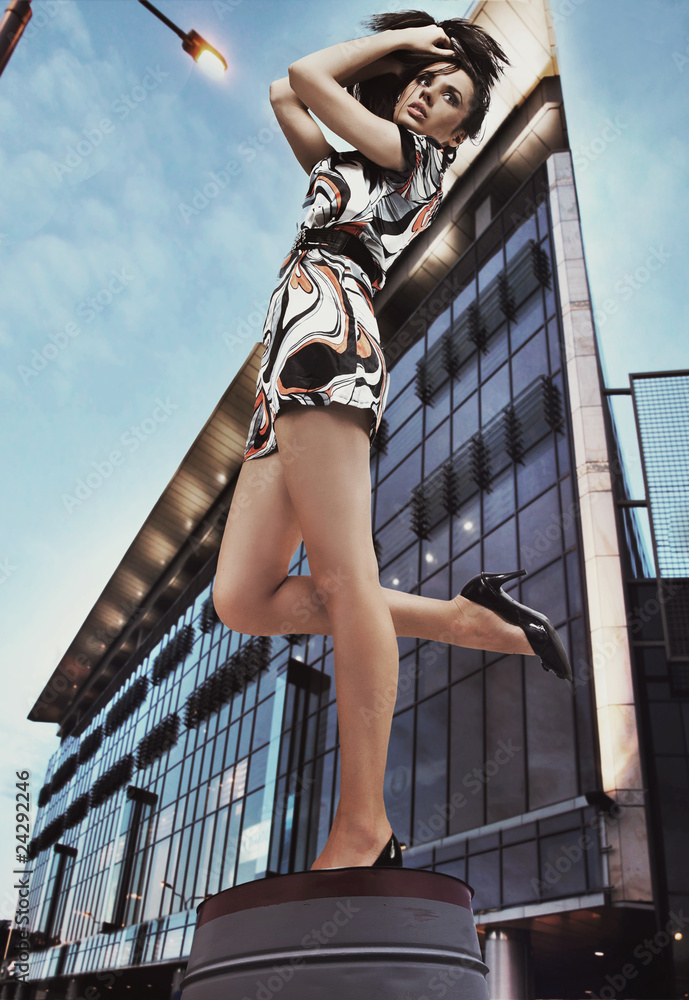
x=405 y=97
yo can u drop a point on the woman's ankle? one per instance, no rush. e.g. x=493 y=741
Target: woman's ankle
x=356 y=825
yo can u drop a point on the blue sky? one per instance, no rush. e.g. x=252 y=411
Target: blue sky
x=125 y=315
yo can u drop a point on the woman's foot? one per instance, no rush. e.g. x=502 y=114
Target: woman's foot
x=486 y=590
x=475 y=627
x=352 y=847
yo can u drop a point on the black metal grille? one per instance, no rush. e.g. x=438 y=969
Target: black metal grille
x=77 y=811
x=541 y=264
x=420 y=514
x=217 y=689
x=474 y=327
x=423 y=383
x=380 y=442
x=44 y=795
x=536 y=412
x=156 y=743
x=174 y=653
x=51 y=834
x=508 y=303
x=296 y=638
x=64 y=773
x=209 y=616
x=514 y=442
x=110 y=782
x=126 y=705
x=90 y=745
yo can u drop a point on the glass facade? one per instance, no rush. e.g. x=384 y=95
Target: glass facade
x=661 y=403
x=658 y=615
x=217 y=760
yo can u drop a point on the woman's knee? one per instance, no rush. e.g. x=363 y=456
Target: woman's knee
x=340 y=583
x=233 y=609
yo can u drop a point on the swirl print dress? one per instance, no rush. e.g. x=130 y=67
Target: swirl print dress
x=321 y=338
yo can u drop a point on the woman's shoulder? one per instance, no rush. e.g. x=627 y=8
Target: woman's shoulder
x=422 y=153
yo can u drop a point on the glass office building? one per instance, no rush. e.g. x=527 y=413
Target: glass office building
x=657 y=576
x=193 y=758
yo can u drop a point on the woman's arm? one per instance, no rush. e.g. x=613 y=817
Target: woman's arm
x=304 y=135
x=319 y=79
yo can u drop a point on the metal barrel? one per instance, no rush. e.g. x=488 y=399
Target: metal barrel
x=341 y=934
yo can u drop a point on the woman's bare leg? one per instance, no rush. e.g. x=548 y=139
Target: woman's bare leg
x=321 y=480
x=330 y=490
x=254 y=595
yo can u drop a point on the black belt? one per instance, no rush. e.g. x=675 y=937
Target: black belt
x=339 y=241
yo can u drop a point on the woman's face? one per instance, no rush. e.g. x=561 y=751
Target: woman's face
x=445 y=100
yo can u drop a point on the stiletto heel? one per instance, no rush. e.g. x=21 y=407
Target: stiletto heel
x=390 y=856
x=485 y=589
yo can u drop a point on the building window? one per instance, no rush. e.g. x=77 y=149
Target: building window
x=127 y=873
x=57 y=890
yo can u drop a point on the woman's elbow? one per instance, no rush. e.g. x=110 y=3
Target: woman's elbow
x=279 y=89
x=295 y=72
x=300 y=81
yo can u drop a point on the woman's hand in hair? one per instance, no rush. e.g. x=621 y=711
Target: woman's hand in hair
x=431 y=39
x=386 y=64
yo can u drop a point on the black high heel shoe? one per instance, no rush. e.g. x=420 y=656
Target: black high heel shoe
x=486 y=590
x=390 y=856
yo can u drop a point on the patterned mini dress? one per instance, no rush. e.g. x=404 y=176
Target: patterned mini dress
x=321 y=338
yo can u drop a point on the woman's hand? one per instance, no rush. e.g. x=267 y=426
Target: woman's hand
x=431 y=39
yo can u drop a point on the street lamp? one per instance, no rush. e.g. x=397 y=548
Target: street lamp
x=18 y=15
x=16 y=18
x=208 y=58
x=166 y=885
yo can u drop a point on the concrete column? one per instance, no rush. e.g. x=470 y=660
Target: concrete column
x=176 y=987
x=73 y=989
x=508 y=957
x=610 y=669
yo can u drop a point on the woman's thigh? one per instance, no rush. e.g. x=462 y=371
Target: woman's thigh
x=261 y=535
x=325 y=454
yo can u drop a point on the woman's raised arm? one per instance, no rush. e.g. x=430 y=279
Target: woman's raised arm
x=319 y=80
x=304 y=135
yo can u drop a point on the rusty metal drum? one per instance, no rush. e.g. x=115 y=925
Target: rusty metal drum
x=340 y=934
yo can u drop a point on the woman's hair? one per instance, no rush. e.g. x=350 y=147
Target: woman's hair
x=474 y=51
